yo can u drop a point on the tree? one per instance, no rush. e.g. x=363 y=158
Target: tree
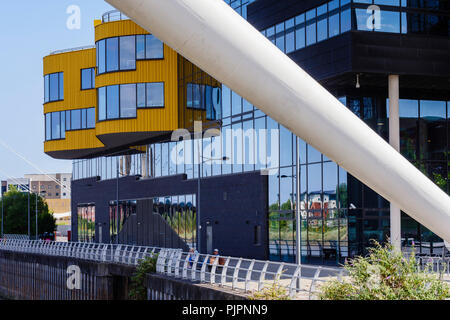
x=15 y=206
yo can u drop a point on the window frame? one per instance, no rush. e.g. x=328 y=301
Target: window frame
x=135 y=36
x=60 y=87
x=137 y=99
x=92 y=69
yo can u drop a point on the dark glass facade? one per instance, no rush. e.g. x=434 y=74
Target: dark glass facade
x=339 y=214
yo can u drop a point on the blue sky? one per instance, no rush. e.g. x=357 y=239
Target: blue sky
x=30 y=30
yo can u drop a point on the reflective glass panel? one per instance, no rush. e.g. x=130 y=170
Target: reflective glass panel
x=310 y=33
x=101 y=56
x=322 y=29
x=128 y=101
x=333 y=25
x=46 y=88
x=154 y=48
x=102 y=103
x=390 y=22
x=48 y=126
x=112 y=100
x=91 y=118
x=83 y=119
x=61 y=86
x=346 y=21
x=75 y=117
x=54 y=87
x=127 y=53
x=155 y=94
x=86 y=79
x=141 y=100
x=140 y=47
x=112 y=54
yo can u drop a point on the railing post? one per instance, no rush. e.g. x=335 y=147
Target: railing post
x=223 y=278
x=177 y=263
x=194 y=268
x=212 y=278
x=203 y=270
x=249 y=274
x=236 y=273
x=313 y=283
x=262 y=276
x=296 y=279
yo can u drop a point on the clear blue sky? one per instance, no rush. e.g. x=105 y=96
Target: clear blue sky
x=30 y=30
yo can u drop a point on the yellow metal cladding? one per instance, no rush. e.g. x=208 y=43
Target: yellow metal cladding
x=117 y=29
x=152 y=120
x=150 y=123
x=80 y=142
x=71 y=63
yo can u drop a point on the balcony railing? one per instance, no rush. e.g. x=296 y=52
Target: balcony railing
x=72 y=49
x=113 y=15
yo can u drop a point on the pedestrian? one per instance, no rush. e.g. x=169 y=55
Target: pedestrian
x=214 y=257
x=192 y=256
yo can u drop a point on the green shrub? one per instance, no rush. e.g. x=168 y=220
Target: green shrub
x=138 y=290
x=273 y=292
x=385 y=274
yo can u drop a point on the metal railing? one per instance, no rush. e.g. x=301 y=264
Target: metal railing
x=16 y=236
x=72 y=49
x=246 y=275
x=113 y=15
x=238 y=274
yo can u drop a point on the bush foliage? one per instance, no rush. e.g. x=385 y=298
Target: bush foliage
x=272 y=292
x=138 y=290
x=385 y=274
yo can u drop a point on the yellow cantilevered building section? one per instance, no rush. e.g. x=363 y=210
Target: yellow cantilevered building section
x=127 y=90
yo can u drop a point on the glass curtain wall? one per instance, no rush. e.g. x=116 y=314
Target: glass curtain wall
x=339 y=214
x=180 y=214
x=86 y=222
x=118 y=218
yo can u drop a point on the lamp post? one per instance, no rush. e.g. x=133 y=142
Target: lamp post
x=298 y=221
x=117 y=203
x=2 y=211
x=29 y=215
x=298 y=217
x=36 y=197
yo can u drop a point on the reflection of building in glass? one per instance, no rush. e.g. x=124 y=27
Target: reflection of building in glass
x=86 y=222
x=242 y=212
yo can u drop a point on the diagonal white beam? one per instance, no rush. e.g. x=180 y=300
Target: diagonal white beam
x=214 y=37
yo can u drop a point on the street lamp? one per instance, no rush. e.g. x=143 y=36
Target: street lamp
x=298 y=233
x=29 y=227
x=1 y=191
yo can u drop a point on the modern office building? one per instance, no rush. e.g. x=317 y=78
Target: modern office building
x=112 y=108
